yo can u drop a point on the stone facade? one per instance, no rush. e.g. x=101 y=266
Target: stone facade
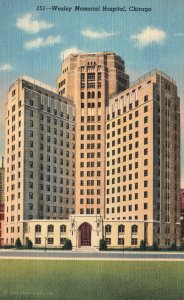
x=52 y=233
x=39 y=156
x=143 y=150
x=88 y=79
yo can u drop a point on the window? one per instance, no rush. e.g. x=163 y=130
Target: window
x=146 y=119
x=50 y=228
x=38 y=228
x=121 y=228
x=145 y=98
x=62 y=240
x=37 y=241
x=50 y=241
x=63 y=228
x=133 y=241
x=121 y=241
x=146 y=108
x=145 y=205
x=108 y=229
x=134 y=229
x=108 y=241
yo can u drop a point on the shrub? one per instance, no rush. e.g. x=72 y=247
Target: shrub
x=29 y=244
x=67 y=245
x=18 y=243
x=173 y=247
x=181 y=248
x=143 y=245
x=103 y=245
x=155 y=246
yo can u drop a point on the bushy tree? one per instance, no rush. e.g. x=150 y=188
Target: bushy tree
x=181 y=248
x=103 y=245
x=29 y=244
x=67 y=245
x=143 y=245
x=18 y=243
x=154 y=246
x=173 y=247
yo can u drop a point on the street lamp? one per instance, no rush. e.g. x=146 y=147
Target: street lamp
x=45 y=243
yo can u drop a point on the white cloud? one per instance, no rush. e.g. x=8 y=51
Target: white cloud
x=72 y=50
x=97 y=34
x=41 y=42
x=28 y=24
x=148 y=36
x=6 y=67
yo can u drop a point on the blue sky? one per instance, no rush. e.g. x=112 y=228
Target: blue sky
x=34 y=42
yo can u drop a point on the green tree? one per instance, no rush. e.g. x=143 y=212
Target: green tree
x=67 y=245
x=181 y=248
x=18 y=243
x=173 y=247
x=143 y=245
x=29 y=244
x=103 y=245
x=154 y=246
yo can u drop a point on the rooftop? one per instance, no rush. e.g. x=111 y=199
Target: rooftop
x=36 y=82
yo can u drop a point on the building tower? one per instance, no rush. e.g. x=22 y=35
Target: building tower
x=143 y=158
x=39 y=156
x=88 y=80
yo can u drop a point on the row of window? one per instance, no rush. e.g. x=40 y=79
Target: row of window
x=126 y=208
x=126 y=119
x=50 y=228
x=90 y=164
x=42 y=127
x=56 y=199
x=50 y=241
x=129 y=177
x=89 y=211
x=90 y=76
x=91 y=95
x=121 y=229
x=90 y=192
x=121 y=241
x=89 y=201
x=53 y=110
x=91 y=155
x=90 y=127
x=90 y=119
x=124 y=189
x=127 y=108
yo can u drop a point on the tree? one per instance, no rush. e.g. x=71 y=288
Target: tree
x=181 y=248
x=143 y=245
x=155 y=246
x=173 y=247
x=18 y=243
x=103 y=245
x=30 y=244
x=67 y=245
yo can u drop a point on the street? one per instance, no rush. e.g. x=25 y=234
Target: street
x=89 y=255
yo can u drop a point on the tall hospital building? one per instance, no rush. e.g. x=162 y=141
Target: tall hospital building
x=95 y=158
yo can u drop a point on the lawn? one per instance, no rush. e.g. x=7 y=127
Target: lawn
x=87 y=280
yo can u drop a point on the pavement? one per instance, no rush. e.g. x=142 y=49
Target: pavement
x=89 y=255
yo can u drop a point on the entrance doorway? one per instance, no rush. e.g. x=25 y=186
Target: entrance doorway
x=85 y=234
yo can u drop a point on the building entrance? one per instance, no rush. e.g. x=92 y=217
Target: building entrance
x=85 y=234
